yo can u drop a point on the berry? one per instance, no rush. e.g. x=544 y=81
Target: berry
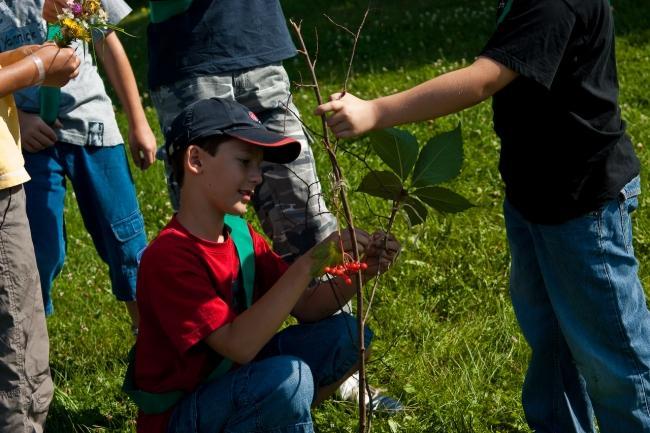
x=346 y=269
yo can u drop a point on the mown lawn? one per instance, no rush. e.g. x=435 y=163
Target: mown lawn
x=447 y=342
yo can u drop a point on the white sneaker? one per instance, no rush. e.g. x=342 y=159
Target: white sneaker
x=349 y=391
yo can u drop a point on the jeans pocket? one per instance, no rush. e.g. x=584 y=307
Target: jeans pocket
x=628 y=202
x=129 y=227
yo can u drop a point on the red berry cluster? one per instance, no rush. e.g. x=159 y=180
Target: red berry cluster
x=346 y=269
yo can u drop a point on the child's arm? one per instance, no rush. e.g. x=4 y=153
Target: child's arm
x=118 y=69
x=440 y=96
x=20 y=70
x=320 y=301
x=243 y=338
x=12 y=56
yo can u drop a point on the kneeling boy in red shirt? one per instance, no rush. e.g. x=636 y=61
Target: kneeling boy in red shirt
x=212 y=294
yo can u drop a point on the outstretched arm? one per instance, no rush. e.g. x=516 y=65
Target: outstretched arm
x=440 y=96
x=118 y=69
x=242 y=339
x=51 y=65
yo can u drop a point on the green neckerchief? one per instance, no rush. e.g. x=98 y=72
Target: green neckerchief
x=153 y=403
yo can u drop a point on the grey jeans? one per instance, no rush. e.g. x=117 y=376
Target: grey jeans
x=26 y=387
x=289 y=202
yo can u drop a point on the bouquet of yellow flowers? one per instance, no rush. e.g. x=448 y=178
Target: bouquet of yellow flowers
x=79 y=19
x=74 y=23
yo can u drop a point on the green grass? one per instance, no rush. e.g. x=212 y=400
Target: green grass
x=447 y=342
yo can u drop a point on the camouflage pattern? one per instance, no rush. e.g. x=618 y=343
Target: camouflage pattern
x=289 y=202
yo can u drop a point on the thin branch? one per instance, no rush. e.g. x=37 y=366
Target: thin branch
x=354 y=49
x=336 y=168
x=339 y=25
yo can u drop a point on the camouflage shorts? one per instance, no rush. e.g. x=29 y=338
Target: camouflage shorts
x=289 y=202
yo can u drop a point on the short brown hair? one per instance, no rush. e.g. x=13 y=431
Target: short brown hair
x=209 y=144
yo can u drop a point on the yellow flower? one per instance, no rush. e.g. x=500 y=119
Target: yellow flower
x=91 y=7
x=75 y=30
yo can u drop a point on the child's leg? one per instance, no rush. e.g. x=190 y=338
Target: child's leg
x=289 y=203
x=107 y=201
x=328 y=346
x=45 y=201
x=554 y=396
x=25 y=382
x=132 y=309
x=590 y=273
x=271 y=395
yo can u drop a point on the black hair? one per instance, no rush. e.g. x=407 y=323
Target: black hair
x=209 y=144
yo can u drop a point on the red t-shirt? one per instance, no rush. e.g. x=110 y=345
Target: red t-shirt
x=184 y=293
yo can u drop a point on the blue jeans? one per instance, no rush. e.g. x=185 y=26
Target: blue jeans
x=273 y=394
x=581 y=306
x=107 y=201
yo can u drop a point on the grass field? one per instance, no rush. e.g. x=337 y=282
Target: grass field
x=447 y=342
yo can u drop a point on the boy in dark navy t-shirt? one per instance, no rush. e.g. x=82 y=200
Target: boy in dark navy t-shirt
x=572 y=181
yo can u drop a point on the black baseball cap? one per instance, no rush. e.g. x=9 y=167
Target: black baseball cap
x=210 y=117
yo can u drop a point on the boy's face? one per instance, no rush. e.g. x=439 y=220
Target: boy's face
x=231 y=175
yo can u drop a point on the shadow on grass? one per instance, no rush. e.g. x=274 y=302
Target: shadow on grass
x=62 y=419
x=397 y=34
x=632 y=18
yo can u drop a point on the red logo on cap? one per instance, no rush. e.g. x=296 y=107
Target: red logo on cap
x=253 y=116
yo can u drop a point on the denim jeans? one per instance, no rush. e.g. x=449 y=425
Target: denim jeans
x=289 y=202
x=273 y=394
x=107 y=201
x=581 y=306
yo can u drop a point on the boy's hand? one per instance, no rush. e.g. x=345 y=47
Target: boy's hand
x=61 y=64
x=52 y=8
x=344 y=240
x=328 y=251
x=142 y=143
x=36 y=135
x=351 y=116
x=378 y=258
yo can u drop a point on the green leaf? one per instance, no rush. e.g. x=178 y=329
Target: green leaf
x=440 y=159
x=416 y=211
x=393 y=426
x=398 y=149
x=442 y=199
x=383 y=184
x=324 y=254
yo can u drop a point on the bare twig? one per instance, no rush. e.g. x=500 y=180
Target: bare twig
x=339 y=25
x=354 y=49
x=338 y=175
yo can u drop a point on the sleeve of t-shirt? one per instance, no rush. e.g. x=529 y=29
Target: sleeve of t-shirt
x=116 y=10
x=531 y=38
x=182 y=296
x=269 y=267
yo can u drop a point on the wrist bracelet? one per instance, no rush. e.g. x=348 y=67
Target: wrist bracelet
x=40 y=66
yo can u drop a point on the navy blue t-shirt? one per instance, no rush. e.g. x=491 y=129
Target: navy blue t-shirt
x=215 y=37
x=564 y=151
